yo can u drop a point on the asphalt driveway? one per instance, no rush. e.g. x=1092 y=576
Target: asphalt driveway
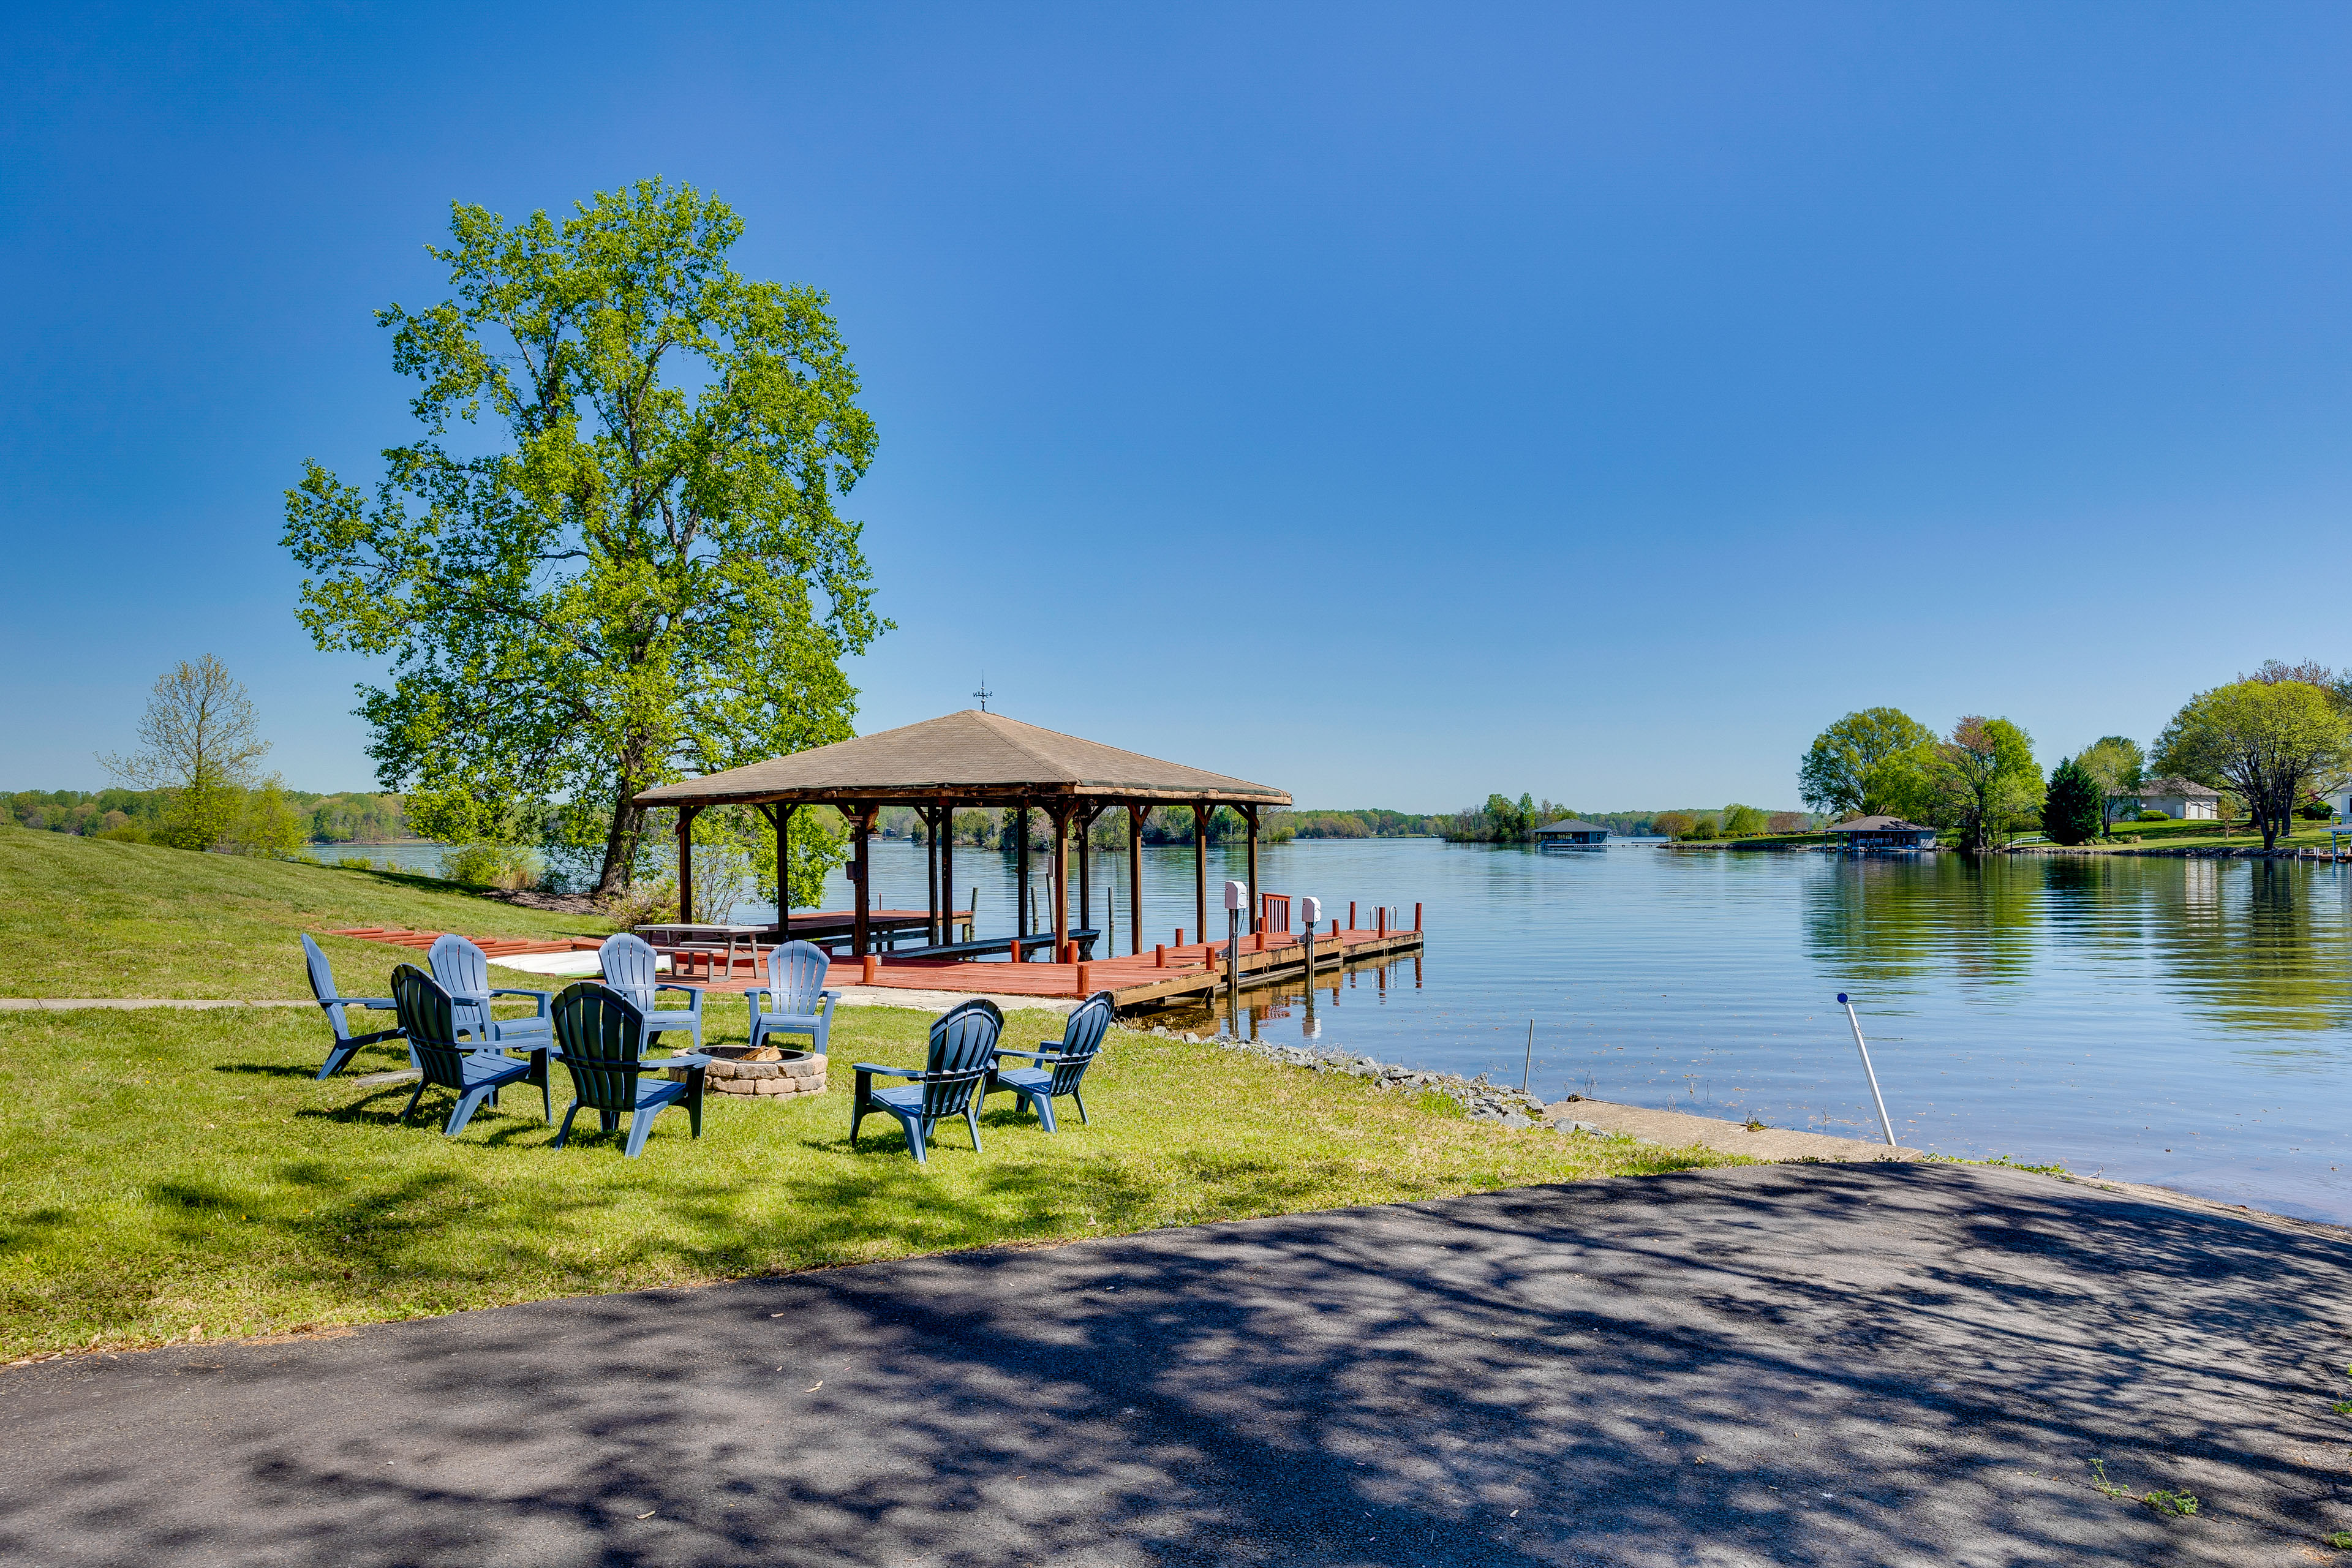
x=1832 y=1364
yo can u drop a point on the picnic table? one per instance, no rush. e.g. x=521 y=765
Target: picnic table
x=706 y=943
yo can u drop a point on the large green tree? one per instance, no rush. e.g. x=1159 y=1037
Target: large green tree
x=642 y=574
x=2116 y=765
x=2266 y=742
x=1981 y=776
x=1865 y=764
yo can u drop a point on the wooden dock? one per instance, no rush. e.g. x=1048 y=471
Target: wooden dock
x=1159 y=976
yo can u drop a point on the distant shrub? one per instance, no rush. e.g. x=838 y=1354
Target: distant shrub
x=1704 y=827
x=504 y=865
x=2318 y=811
x=2153 y=816
x=642 y=903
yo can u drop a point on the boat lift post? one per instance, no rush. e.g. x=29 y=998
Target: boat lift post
x=1868 y=1071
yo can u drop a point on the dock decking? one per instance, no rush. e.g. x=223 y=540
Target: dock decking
x=1140 y=980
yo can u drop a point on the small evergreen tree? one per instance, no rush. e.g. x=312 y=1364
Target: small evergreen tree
x=2072 y=811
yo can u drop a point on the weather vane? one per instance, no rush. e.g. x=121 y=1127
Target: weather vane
x=983 y=693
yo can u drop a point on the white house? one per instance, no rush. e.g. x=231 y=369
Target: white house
x=2181 y=798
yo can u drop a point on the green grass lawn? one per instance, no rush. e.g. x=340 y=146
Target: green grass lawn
x=168 y=1173
x=82 y=917
x=2205 y=835
x=162 y=1174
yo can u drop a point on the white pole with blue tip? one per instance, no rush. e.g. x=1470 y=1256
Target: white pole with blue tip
x=1868 y=1071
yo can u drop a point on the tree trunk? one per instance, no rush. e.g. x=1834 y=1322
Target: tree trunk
x=621 y=841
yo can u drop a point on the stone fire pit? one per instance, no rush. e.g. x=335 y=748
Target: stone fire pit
x=768 y=1072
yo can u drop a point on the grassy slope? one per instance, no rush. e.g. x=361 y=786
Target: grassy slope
x=165 y=1171
x=80 y=916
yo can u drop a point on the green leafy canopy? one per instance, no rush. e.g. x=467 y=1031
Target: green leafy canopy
x=646 y=577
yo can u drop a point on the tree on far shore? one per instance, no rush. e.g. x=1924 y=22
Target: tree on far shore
x=2116 y=766
x=648 y=577
x=198 y=738
x=2265 y=742
x=2073 y=812
x=1865 y=764
x=1982 y=776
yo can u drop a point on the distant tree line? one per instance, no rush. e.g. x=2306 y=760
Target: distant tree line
x=137 y=815
x=1503 y=820
x=2267 y=744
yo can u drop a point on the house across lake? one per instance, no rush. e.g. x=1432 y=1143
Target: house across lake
x=1571 y=832
x=2182 y=798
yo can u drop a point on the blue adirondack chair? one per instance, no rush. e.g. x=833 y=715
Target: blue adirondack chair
x=602 y=1035
x=794 y=1000
x=1062 y=1064
x=464 y=971
x=628 y=964
x=322 y=987
x=963 y=1044
x=432 y=1017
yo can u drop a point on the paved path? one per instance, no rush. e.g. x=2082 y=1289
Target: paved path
x=1826 y=1364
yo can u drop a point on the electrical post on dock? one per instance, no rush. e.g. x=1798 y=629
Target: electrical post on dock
x=1310 y=913
x=1237 y=901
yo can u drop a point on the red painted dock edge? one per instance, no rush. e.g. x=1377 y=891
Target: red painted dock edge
x=1136 y=973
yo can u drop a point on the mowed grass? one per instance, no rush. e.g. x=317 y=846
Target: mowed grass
x=82 y=917
x=169 y=1173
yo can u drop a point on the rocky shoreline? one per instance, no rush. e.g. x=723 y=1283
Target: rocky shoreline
x=1479 y=1100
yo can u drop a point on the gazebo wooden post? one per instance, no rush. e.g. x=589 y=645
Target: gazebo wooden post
x=1135 y=879
x=783 y=817
x=1060 y=813
x=1017 y=820
x=1085 y=822
x=685 y=815
x=947 y=868
x=1201 y=868
x=932 y=872
x=861 y=825
x=1249 y=815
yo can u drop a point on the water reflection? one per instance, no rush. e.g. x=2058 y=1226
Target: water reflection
x=2182 y=1022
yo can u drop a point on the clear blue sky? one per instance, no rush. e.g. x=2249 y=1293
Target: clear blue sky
x=1393 y=404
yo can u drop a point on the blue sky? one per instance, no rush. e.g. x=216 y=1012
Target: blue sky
x=1393 y=404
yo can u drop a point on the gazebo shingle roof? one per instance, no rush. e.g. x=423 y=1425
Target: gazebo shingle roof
x=971 y=756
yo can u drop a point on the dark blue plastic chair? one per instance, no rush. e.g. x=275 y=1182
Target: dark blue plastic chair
x=794 y=1000
x=601 y=1037
x=322 y=987
x=629 y=966
x=1063 y=1063
x=464 y=971
x=963 y=1044
x=431 y=1018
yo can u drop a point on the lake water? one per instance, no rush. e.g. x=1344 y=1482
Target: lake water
x=2181 y=1022
x=2187 y=1022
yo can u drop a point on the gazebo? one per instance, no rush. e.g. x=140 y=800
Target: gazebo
x=974 y=759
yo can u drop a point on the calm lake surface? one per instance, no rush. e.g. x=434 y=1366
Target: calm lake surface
x=2187 y=1022
x=2182 y=1022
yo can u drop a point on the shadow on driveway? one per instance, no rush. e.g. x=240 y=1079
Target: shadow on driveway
x=1830 y=1364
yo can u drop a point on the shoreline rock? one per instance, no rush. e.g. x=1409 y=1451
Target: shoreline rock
x=1480 y=1100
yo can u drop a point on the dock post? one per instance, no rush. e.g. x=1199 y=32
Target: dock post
x=1351 y=914
x=1201 y=868
x=1868 y=1071
x=1416 y=919
x=1018 y=820
x=1257 y=907
x=1135 y=881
